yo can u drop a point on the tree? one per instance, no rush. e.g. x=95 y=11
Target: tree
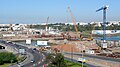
x=56 y=60
x=6 y=57
x=1 y=61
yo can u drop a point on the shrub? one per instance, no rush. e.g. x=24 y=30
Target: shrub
x=6 y=57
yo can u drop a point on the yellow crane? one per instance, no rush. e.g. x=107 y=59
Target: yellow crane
x=73 y=20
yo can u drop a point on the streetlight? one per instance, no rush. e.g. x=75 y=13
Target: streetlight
x=72 y=54
x=65 y=41
x=82 y=54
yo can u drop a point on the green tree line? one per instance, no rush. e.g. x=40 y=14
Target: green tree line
x=81 y=28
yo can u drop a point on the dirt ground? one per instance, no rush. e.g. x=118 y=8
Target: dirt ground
x=75 y=46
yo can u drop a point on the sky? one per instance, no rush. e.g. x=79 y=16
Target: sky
x=37 y=11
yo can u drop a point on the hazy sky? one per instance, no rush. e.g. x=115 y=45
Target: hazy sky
x=37 y=11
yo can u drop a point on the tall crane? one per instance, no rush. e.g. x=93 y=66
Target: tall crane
x=73 y=20
x=47 y=24
x=104 y=8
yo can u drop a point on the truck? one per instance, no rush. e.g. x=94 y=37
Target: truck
x=81 y=60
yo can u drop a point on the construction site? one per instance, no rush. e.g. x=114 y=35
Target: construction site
x=74 y=29
x=65 y=41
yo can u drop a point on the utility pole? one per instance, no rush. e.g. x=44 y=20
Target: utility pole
x=72 y=54
x=76 y=29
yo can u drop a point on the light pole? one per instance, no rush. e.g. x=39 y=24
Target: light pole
x=65 y=41
x=82 y=54
x=72 y=54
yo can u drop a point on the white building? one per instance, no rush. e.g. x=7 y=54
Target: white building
x=89 y=51
x=97 y=23
x=80 y=23
x=108 y=23
x=69 y=23
x=4 y=24
x=100 y=32
x=19 y=26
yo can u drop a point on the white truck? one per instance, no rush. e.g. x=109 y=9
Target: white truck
x=81 y=60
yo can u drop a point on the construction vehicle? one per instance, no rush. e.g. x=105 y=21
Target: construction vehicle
x=90 y=38
x=73 y=20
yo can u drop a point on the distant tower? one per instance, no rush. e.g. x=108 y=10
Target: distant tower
x=46 y=28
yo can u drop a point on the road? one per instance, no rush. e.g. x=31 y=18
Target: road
x=73 y=60
x=97 y=57
x=89 y=65
x=38 y=57
x=3 y=50
x=95 y=60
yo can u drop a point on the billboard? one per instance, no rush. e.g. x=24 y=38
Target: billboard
x=8 y=35
x=28 y=41
x=22 y=51
x=44 y=43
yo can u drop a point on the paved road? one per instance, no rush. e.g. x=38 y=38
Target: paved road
x=3 y=50
x=97 y=57
x=38 y=56
x=89 y=65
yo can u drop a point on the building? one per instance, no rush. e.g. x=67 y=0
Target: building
x=107 y=24
x=89 y=51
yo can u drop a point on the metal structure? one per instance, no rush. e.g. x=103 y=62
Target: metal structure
x=104 y=8
x=47 y=23
x=73 y=20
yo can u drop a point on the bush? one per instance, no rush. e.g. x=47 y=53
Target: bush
x=1 y=61
x=6 y=57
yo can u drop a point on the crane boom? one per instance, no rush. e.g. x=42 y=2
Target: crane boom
x=47 y=21
x=73 y=20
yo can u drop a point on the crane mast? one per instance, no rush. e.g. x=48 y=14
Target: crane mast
x=104 y=8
